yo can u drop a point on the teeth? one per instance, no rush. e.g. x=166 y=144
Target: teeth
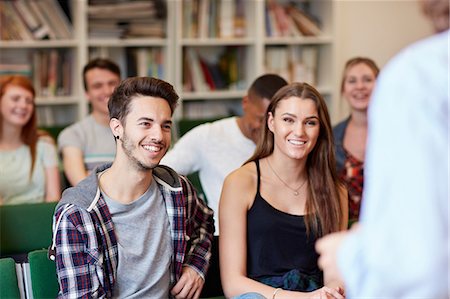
x=151 y=148
x=297 y=142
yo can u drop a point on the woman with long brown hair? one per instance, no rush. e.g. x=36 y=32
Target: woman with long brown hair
x=28 y=158
x=280 y=201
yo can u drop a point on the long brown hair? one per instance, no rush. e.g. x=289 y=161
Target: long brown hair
x=323 y=209
x=29 y=133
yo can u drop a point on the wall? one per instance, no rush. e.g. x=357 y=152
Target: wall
x=377 y=29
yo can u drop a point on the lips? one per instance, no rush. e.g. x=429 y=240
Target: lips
x=152 y=148
x=296 y=142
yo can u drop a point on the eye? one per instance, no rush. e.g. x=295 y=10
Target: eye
x=145 y=124
x=167 y=127
x=311 y=122
x=288 y=120
x=368 y=80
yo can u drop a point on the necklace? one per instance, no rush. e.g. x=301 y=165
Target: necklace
x=295 y=190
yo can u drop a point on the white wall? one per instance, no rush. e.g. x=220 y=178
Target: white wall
x=377 y=29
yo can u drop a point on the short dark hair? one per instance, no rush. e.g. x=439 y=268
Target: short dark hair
x=100 y=63
x=119 y=102
x=265 y=86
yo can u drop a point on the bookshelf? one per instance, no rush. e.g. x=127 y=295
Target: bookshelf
x=193 y=43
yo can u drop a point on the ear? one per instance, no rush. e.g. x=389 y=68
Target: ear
x=116 y=127
x=270 y=121
x=245 y=102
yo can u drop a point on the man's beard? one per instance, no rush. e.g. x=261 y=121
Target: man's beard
x=128 y=148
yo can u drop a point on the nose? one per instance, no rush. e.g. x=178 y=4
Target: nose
x=299 y=129
x=156 y=134
x=360 y=84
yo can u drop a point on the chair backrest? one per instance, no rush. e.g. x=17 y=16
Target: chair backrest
x=9 y=287
x=44 y=282
x=25 y=227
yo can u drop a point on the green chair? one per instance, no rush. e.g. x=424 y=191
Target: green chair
x=42 y=275
x=26 y=227
x=9 y=288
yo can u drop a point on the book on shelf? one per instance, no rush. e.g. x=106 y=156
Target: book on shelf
x=226 y=18
x=13 y=28
x=38 y=29
x=293 y=63
x=198 y=81
x=145 y=62
x=41 y=17
x=131 y=19
x=52 y=72
x=306 y=24
x=56 y=18
x=23 y=69
x=291 y=19
x=303 y=64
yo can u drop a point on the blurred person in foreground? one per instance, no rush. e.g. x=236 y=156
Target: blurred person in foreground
x=401 y=247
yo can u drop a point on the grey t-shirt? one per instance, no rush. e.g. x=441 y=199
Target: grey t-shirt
x=145 y=246
x=93 y=139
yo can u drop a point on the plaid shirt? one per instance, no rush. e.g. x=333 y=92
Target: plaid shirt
x=86 y=244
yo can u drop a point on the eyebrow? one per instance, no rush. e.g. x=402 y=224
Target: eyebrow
x=292 y=115
x=152 y=120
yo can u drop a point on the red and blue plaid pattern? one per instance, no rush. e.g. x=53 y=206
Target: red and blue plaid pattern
x=86 y=245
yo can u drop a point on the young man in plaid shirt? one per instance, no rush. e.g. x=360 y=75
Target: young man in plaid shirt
x=134 y=228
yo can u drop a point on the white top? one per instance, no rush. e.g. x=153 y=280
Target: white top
x=15 y=165
x=215 y=150
x=403 y=247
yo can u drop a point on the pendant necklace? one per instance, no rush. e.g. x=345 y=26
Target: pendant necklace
x=295 y=190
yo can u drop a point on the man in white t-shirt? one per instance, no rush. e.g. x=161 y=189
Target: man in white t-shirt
x=89 y=142
x=216 y=149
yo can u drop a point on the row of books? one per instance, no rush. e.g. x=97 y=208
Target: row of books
x=290 y=20
x=214 y=18
x=145 y=62
x=294 y=63
x=127 y=19
x=49 y=70
x=221 y=71
x=35 y=20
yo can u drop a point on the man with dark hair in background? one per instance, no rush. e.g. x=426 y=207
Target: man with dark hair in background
x=88 y=142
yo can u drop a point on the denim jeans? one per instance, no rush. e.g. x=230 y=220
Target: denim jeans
x=250 y=296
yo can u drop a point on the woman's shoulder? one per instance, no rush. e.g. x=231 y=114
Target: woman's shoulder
x=243 y=177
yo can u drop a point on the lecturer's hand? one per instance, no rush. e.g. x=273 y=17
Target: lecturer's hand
x=189 y=285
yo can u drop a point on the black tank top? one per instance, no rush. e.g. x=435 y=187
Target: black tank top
x=276 y=241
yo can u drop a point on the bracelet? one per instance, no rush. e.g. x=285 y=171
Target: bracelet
x=275 y=292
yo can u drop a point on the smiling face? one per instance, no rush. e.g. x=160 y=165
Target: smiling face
x=358 y=85
x=100 y=84
x=146 y=134
x=295 y=126
x=17 y=105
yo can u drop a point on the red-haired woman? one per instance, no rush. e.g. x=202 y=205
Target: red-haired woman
x=28 y=158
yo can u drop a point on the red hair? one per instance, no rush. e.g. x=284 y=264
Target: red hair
x=29 y=133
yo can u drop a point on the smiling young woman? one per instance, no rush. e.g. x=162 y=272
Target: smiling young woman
x=28 y=160
x=281 y=200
